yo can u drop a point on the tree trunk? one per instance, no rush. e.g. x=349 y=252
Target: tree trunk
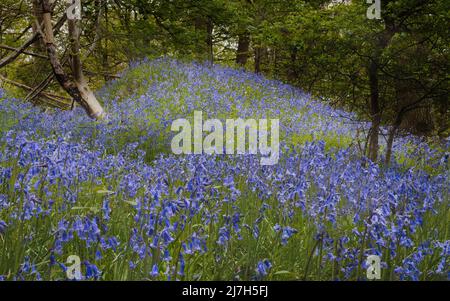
x=78 y=90
x=38 y=45
x=375 y=112
x=258 y=58
x=292 y=71
x=443 y=120
x=1 y=38
x=97 y=28
x=204 y=26
x=390 y=142
x=209 y=40
x=93 y=106
x=105 y=55
x=382 y=42
x=243 y=48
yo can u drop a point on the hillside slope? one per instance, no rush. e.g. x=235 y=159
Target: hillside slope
x=112 y=193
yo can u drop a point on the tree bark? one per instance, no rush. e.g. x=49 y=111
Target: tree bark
x=382 y=42
x=89 y=100
x=210 y=40
x=390 y=142
x=204 y=26
x=258 y=59
x=105 y=54
x=78 y=90
x=243 y=48
x=375 y=111
x=97 y=28
x=292 y=72
x=38 y=44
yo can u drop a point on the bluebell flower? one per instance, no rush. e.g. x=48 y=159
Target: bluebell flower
x=166 y=256
x=286 y=233
x=106 y=210
x=3 y=227
x=263 y=268
x=92 y=272
x=52 y=260
x=98 y=255
x=224 y=236
x=182 y=265
x=154 y=272
x=166 y=236
x=132 y=265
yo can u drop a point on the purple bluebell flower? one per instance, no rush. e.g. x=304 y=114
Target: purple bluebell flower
x=155 y=271
x=3 y=226
x=263 y=268
x=92 y=271
x=182 y=265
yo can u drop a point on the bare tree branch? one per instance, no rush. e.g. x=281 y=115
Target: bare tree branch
x=24 y=52
x=18 y=51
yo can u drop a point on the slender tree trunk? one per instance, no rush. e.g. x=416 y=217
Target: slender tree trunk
x=209 y=40
x=105 y=55
x=375 y=112
x=292 y=72
x=258 y=58
x=243 y=48
x=383 y=41
x=443 y=120
x=78 y=90
x=1 y=39
x=38 y=45
x=93 y=106
x=97 y=28
x=390 y=142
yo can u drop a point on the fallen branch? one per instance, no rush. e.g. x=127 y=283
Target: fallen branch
x=24 y=52
x=60 y=100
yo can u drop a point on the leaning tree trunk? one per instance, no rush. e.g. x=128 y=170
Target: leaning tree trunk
x=78 y=89
x=92 y=106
